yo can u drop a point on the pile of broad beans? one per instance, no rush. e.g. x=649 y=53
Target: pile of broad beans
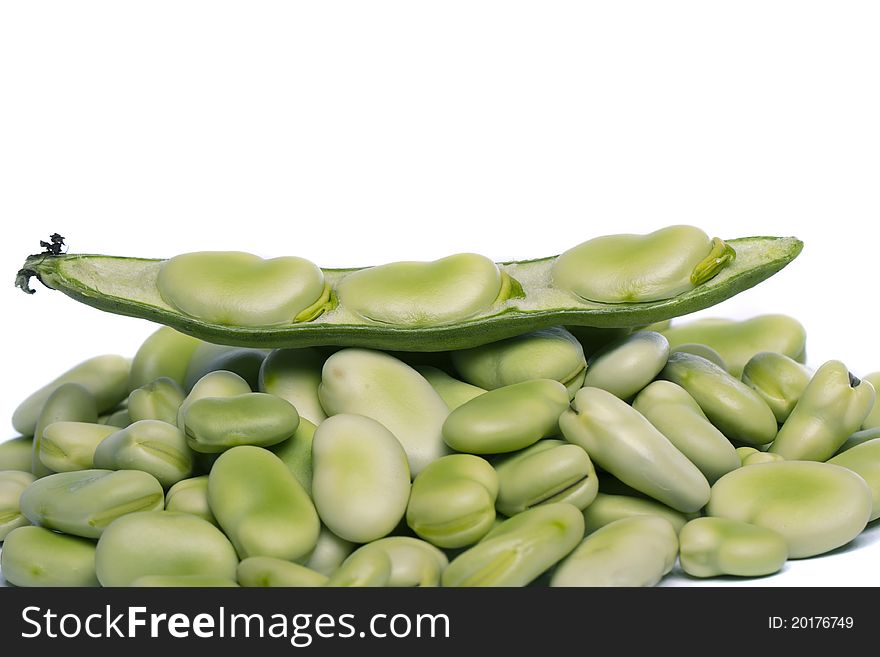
x=495 y=449
x=581 y=457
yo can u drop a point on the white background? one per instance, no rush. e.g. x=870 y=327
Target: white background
x=354 y=133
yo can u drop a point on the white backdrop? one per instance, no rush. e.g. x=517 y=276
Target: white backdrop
x=354 y=133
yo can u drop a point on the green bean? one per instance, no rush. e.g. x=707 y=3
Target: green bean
x=151 y=446
x=626 y=366
x=452 y=502
x=214 y=384
x=507 y=419
x=69 y=402
x=734 y=408
x=241 y=299
x=413 y=562
x=451 y=390
x=873 y=419
x=678 y=417
x=119 y=419
x=17 y=453
x=216 y=424
x=294 y=375
x=165 y=353
x=857 y=438
x=12 y=485
x=70 y=446
x=209 y=358
x=190 y=496
x=702 y=350
x=85 y=502
x=831 y=408
x=380 y=387
x=363 y=568
x=816 y=506
x=272 y=572
x=519 y=549
x=778 y=379
x=761 y=457
x=361 y=480
x=296 y=452
x=104 y=377
x=162 y=543
x=864 y=460
x=606 y=508
x=260 y=505
x=552 y=353
x=738 y=341
x=621 y=441
x=33 y=556
x=635 y=551
x=329 y=553
x=157 y=400
x=547 y=472
x=718 y=546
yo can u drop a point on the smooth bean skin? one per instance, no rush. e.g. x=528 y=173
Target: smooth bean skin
x=17 y=454
x=636 y=551
x=85 y=502
x=120 y=419
x=12 y=484
x=452 y=503
x=272 y=572
x=519 y=549
x=742 y=453
x=679 y=417
x=232 y=288
x=159 y=399
x=164 y=354
x=873 y=419
x=190 y=496
x=864 y=460
x=163 y=543
x=621 y=441
x=104 y=377
x=761 y=457
x=507 y=419
x=552 y=353
x=738 y=341
x=219 y=423
x=329 y=553
x=593 y=339
x=423 y=293
x=363 y=568
x=360 y=478
x=152 y=446
x=261 y=506
x=637 y=268
x=719 y=546
x=734 y=408
x=778 y=379
x=702 y=350
x=33 y=556
x=816 y=506
x=294 y=375
x=214 y=384
x=183 y=581
x=413 y=562
x=549 y=471
x=70 y=446
x=831 y=408
x=69 y=402
x=857 y=438
x=451 y=390
x=626 y=366
x=607 y=508
x=209 y=358
x=381 y=387
x=296 y=452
